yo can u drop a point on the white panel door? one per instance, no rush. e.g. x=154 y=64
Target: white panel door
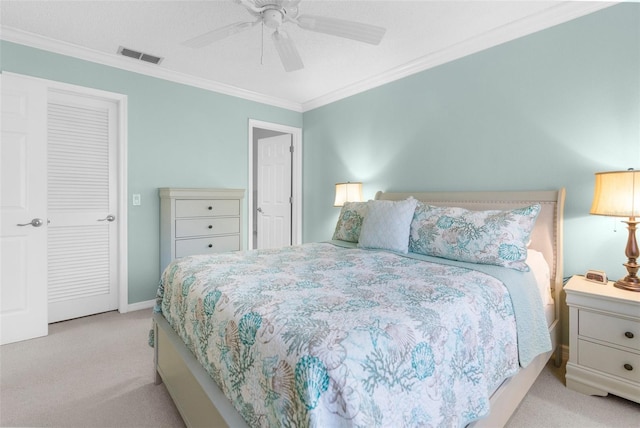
x=23 y=210
x=274 y=192
x=82 y=205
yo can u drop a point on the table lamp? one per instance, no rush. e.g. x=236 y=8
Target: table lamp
x=347 y=192
x=617 y=194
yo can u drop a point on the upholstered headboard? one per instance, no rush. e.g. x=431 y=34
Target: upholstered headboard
x=546 y=236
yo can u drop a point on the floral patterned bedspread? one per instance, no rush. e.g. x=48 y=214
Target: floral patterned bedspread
x=323 y=336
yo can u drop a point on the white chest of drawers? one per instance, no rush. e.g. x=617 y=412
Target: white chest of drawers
x=199 y=221
x=604 y=339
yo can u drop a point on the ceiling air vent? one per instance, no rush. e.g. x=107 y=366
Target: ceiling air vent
x=139 y=55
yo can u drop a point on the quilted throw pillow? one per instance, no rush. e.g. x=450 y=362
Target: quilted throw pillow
x=350 y=221
x=487 y=237
x=387 y=225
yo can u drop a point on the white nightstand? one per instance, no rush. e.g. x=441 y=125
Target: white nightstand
x=604 y=339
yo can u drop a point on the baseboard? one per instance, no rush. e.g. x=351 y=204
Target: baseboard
x=138 y=306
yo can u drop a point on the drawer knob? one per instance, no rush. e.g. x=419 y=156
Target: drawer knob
x=210 y=245
x=628 y=367
x=211 y=227
x=210 y=208
x=628 y=335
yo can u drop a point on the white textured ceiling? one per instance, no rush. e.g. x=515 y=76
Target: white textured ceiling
x=420 y=34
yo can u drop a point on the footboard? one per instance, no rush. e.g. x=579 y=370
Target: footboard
x=201 y=403
x=199 y=400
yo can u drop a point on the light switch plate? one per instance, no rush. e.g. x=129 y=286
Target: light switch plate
x=136 y=199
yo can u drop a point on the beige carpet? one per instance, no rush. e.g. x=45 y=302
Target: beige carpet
x=550 y=404
x=88 y=372
x=98 y=372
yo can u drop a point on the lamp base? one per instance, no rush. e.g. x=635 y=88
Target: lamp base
x=631 y=284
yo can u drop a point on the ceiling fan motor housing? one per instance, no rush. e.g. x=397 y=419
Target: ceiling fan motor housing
x=272 y=18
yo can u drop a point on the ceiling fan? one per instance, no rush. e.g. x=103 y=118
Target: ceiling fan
x=275 y=13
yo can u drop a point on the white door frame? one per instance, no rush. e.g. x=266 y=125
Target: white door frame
x=121 y=101
x=296 y=179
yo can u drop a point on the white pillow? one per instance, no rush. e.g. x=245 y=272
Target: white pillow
x=542 y=274
x=387 y=225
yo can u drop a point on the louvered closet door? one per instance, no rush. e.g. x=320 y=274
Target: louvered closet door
x=82 y=203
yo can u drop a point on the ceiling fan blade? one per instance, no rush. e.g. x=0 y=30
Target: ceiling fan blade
x=287 y=50
x=290 y=3
x=218 y=34
x=250 y=6
x=339 y=27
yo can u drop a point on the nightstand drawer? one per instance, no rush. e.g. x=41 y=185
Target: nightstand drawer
x=207 y=226
x=620 y=331
x=216 y=244
x=609 y=360
x=206 y=207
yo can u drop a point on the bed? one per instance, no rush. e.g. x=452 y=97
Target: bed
x=342 y=358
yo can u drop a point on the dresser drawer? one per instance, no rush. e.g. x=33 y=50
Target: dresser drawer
x=620 y=331
x=207 y=207
x=207 y=226
x=609 y=360
x=215 y=244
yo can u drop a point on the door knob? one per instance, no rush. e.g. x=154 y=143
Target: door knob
x=36 y=222
x=109 y=218
x=259 y=210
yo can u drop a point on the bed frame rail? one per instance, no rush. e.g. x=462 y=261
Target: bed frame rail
x=199 y=400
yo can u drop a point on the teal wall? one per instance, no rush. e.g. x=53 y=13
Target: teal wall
x=541 y=112
x=178 y=136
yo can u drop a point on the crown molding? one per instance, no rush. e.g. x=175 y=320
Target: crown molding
x=15 y=35
x=563 y=12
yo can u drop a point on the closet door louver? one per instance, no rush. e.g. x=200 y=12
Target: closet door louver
x=78 y=158
x=78 y=262
x=79 y=181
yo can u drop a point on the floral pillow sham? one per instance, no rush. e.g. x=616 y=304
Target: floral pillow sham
x=488 y=237
x=350 y=221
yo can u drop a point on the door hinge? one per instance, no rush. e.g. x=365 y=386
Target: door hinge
x=290 y=199
x=291 y=148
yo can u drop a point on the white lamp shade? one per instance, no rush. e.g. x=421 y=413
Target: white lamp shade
x=347 y=192
x=617 y=194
